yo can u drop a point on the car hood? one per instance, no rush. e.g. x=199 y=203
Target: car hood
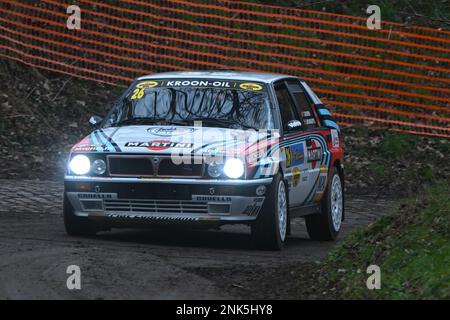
x=173 y=139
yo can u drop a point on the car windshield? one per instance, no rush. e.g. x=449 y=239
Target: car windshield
x=217 y=103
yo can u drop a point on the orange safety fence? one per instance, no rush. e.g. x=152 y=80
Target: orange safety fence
x=396 y=77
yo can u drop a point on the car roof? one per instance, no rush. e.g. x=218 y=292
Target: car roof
x=219 y=74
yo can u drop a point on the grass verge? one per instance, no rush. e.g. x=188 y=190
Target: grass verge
x=411 y=247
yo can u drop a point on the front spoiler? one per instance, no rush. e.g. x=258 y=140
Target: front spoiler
x=128 y=219
x=135 y=201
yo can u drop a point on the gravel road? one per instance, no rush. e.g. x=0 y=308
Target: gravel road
x=144 y=264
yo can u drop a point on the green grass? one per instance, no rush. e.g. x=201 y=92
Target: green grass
x=397 y=145
x=411 y=246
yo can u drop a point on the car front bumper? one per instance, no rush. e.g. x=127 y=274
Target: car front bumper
x=129 y=201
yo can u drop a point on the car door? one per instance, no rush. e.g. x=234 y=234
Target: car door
x=293 y=146
x=316 y=136
x=307 y=176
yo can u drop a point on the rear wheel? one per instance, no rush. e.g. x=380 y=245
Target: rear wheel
x=77 y=226
x=327 y=224
x=271 y=227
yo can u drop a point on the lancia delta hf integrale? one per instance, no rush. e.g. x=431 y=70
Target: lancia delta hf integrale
x=207 y=149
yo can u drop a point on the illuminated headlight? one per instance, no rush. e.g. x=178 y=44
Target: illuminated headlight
x=214 y=170
x=234 y=168
x=99 y=166
x=80 y=164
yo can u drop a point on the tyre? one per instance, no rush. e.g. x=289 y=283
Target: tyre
x=76 y=226
x=270 y=229
x=325 y=226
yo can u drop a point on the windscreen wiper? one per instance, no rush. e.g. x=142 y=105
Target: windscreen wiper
x=145 y=120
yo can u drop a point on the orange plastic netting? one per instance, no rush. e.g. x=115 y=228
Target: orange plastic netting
x=396 y=77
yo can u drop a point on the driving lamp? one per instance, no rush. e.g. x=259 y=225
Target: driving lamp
x=234 y=168
x=80 y=164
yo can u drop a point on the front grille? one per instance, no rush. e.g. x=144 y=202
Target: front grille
x=130 y=166
x=152 y=166
x=167 y=168
x=155 y=206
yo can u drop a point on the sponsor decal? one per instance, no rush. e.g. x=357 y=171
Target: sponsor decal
x=158 y=145
x=194 y=83
x=211 y=198
x=96 y=195
x=89 y=148
x=250 y=86
x=198 y=83
x=314 y=154
x=334 y=138
x=170 y=131
x=295 y=155
x=310 y=121
x=138 y=216
x=260 y=190
x=139 y=90
x=321 y=184
x=306 y=114
x=295 y=176
x=147 y=84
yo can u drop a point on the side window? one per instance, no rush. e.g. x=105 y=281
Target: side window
x=311 y=93
x=303 y=105
x=287 y=106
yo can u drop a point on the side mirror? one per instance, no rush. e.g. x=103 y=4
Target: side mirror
x=293 y=125
x=95 y=120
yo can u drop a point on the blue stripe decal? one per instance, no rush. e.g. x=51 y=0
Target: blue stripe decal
x=324 y=112
x=106 y=142
x=110 y=141
x=330 y=123
x=95 y=141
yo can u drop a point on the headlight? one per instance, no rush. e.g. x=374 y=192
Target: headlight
x=214 y=170
x=99 y=166
x=234 y=168
x=80 y=164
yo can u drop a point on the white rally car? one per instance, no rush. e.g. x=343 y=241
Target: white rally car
x=207 y=149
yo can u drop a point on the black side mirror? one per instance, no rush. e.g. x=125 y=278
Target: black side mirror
x=293 y=125
x=95 y=120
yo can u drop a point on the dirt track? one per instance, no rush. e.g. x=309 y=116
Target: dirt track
x=145 y=264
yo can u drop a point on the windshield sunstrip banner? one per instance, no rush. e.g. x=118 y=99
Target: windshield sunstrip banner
x=201 y=83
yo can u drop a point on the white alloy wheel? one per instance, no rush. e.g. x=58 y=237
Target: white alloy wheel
x=282 y=210
x=336 y=202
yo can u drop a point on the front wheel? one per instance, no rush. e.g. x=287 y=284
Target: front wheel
x=270 y=229
x=325 y=226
